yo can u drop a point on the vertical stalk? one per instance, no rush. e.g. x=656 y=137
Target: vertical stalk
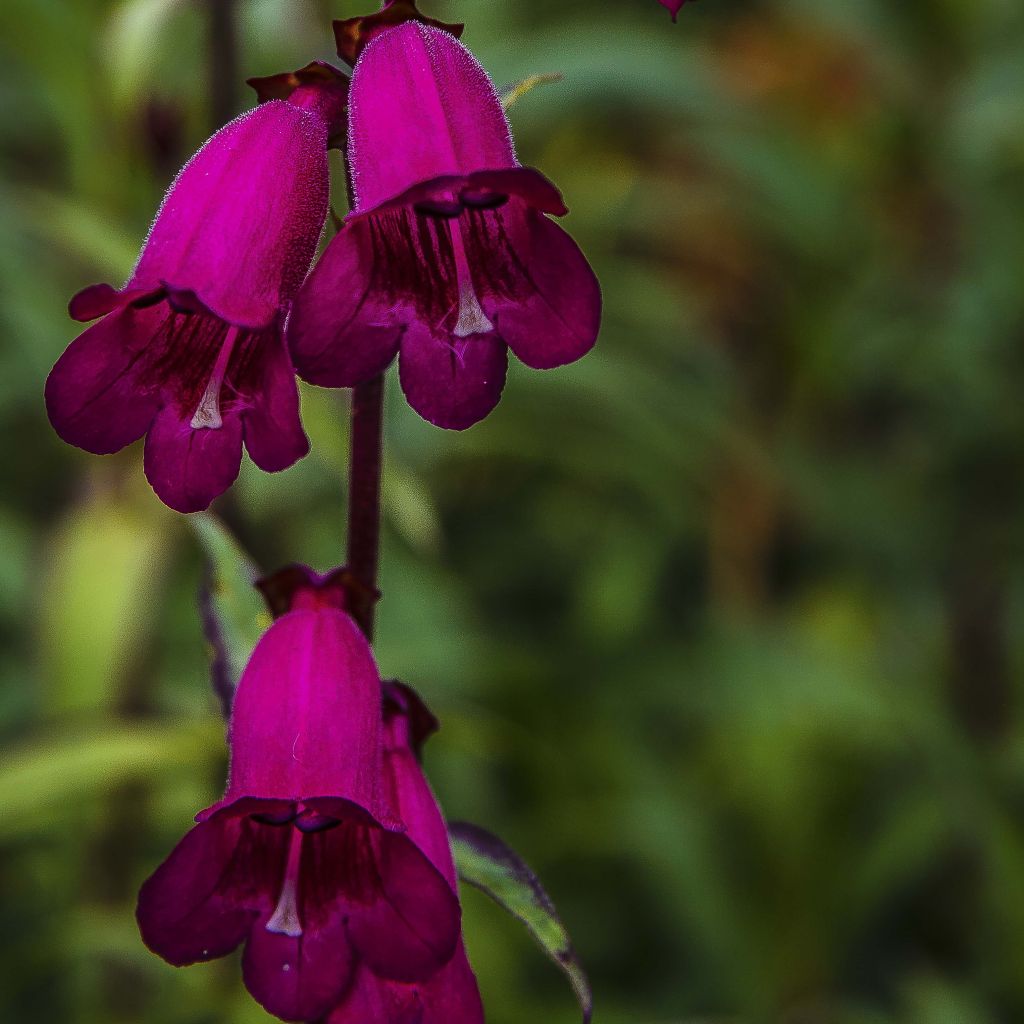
x=365 y=454
x=223 y=61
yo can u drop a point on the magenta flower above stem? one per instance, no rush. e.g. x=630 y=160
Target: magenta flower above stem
x=672 y=6
x=448 y=257
x=303 y=859
x=451 y=996
x=191 y=351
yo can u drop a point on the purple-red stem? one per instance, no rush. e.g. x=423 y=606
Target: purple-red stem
x=365 y=454
x=223 y=61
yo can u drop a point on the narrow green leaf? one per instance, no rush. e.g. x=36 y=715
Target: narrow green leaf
x=233 y=612
x=485 y=862
x=63 y=767
x=515 y=92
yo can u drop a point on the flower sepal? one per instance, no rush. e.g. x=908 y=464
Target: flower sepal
x=319 y=86
x=352 y=34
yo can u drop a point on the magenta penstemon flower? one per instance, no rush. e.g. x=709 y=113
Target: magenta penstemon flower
x=451 y=996
x=449 y=256
x=672 y=6
x=191 y=350
x=303 y=859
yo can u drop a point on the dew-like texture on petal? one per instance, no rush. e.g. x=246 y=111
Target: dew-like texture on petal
x=411 y=929
x=187 y=467
x=92 y=397
x=298 y=978
x=306 y=716
x=421 y=106
x=452 y=382
x=185 y=911
x=551 y=313
x=273 y=430
x=342 y=329
x=240 y=224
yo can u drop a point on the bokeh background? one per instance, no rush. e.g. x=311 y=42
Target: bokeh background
x=723 y=623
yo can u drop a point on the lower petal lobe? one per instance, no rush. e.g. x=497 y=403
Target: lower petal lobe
x=343 y=329
x=93 y=396
x=273 y=430
x=549 y=310
x=407 y=926
x=188 y=910
x=189 y=467
x=453 y=383
x=299 y=977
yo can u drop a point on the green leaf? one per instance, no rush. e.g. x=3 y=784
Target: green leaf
x=485 y=862
x=99 y=597
x=66 y=767
x=515 y=92
x=233 y=612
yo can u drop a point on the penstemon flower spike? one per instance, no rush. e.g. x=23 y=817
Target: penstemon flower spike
x=328 y=857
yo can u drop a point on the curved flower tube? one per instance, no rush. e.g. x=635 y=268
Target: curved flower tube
x=191 y=351
x=303 y=860
x=451 y=996
x=449 y=257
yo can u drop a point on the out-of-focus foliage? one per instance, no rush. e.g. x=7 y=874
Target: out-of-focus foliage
x=723 y=624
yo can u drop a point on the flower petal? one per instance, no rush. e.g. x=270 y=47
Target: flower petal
x=185 y=912
x=421 y=106
x=306 y=716
x=341 y=332
x=273 y=430
x=450 y=997
x=553 y=313
x=241 y=222
x=411 y=929
x=452 y=384
x=298 y=978
x=92 y=397
x=189 y=467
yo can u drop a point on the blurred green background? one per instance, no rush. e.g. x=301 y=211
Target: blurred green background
x=723 y=623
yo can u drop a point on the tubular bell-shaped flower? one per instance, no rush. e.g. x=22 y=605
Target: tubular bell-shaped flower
x=191 y=351
x=673 y=7
x=451 y=996
x=448 y=256
x=303 y=859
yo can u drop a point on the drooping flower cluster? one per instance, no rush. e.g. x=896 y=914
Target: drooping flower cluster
x=327 y=856
x=447 y=259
